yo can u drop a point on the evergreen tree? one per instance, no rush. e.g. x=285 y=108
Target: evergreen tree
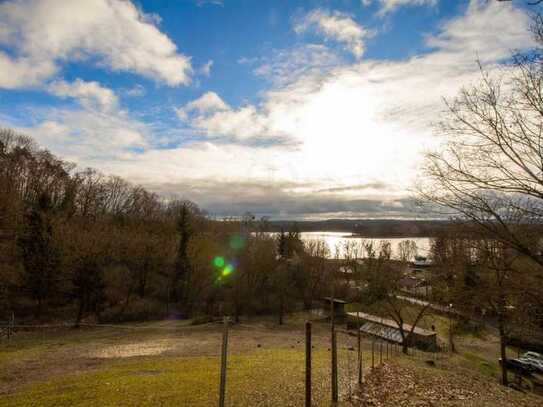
x=88 y=286
x=40 y=256
x=182 y=268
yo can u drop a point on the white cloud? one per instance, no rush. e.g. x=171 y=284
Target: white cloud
x=491 y=30
x=96 y=130
x=44 y=33
x=337 y=26
x=388 y=6
x=84 y=136
x=210 y=116
x=283 y=66
x=135 y=91
x=209 y=102
x=206 y=69
x=347 y=124
x=89 y=94
x=23 y=71
x=201 y=3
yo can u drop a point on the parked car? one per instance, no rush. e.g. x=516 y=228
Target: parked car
x=532 y=355
x=519 y=366
x=535 y=363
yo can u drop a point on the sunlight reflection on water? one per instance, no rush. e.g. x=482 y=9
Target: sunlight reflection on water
x=336 y=241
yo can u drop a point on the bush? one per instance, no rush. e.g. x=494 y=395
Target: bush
x=136 y=310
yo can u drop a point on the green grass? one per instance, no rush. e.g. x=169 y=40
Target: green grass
x=480 y=364
x=143 y=383
x=60 y=369
x=267 y=377
x=31 y=345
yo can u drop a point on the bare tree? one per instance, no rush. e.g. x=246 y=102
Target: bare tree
x=489 y=176
x=383 y=278
x=407 y=250
x=490 y=171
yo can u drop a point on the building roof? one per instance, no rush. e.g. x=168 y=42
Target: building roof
x=336 y=300
x=385 y=332
x=389 y=323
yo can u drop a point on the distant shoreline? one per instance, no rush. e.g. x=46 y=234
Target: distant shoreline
x=366 y=228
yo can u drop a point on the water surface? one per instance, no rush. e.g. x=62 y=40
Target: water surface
x=336 y=242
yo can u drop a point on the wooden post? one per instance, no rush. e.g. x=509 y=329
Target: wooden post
x=308 y=364
x=380 y=352
x=359 y=349
x=168 y=302
x=387 y=349
x=335 y=396
x=333 y=339
x=224 y=351
x=373 y=353
x=11 y=324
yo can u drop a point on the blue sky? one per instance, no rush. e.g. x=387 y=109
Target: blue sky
x=293 y=109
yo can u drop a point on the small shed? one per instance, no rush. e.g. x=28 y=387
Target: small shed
x=388 y=329
x=338 y=306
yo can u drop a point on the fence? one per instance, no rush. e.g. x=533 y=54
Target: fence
x=381 y=351
x=353 y=373
x=7 y=327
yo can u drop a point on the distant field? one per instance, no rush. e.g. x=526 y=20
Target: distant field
x=174 y=363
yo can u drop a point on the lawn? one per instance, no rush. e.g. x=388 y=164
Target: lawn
x=171 y=363
x=167 y=365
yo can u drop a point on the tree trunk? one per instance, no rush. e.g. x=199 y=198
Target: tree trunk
x=79 y=316
x=281 y=309
x=405 y=344
x=39 y=309
x=307 y=303
x=236 y=312
x=142 y=284
x=168 y=301
x=503 y=353
x=452 y=346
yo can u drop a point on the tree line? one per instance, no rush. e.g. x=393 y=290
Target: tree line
x=77 y=244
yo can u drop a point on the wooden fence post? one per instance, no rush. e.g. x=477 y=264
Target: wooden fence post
x=224 y=352
x=11 y=324
x=335 y=396
x=387 y=349
x=380 y=352
x=359 y=349
x=373 y=353
x=308 y=364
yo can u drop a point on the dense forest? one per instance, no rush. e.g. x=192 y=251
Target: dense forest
x=77 y=244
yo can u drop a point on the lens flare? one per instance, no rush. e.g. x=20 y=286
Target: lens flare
x=218 y=262
x=228 y=270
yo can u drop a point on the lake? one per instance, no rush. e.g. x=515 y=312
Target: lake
x=337 y=240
